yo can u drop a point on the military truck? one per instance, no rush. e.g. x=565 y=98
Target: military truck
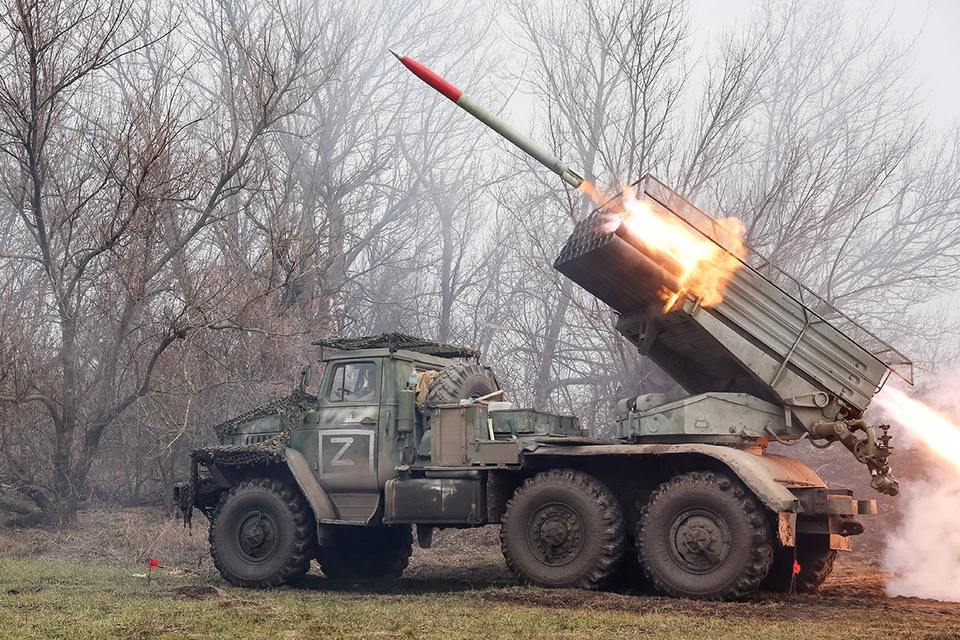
x=404 y=431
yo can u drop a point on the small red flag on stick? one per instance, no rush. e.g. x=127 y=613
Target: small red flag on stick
x=150 y=565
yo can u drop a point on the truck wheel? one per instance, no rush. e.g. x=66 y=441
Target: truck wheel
x=703 y=535
x=361 y=553
x=262 y=535
x=460 y=381
x=562 y=529
x=815 y=557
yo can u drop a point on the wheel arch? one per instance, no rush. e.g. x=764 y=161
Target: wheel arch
x=291 y=468
x=769 y=477
x=321 y=504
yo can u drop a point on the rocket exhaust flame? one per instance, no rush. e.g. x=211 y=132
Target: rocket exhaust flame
x=934 y=429
x=923 y=551
x=700 y=266
x=695 y=264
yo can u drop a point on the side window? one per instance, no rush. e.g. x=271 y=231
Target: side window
x=354 y=382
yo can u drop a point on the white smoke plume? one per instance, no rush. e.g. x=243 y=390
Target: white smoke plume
x=923 y=552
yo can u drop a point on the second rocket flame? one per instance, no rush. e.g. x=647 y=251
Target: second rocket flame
x=474 y=108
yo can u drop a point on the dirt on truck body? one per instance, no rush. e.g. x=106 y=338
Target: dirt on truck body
x=404 y=431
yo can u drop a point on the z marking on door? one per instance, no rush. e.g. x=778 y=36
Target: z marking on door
x=346 y=450
x=338 y=460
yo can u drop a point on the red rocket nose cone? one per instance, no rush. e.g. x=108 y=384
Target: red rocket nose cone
x=429 y=76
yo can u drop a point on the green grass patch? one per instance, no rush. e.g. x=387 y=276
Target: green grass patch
x=54 y=599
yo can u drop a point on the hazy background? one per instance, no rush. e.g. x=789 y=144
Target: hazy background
x=932 y=24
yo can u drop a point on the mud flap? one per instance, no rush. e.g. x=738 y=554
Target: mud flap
x=787 y=529
x=839 y=542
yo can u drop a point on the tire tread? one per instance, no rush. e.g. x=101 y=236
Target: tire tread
x=613 y=529
x=451 y=383
x=761 y=553
x=298 y=563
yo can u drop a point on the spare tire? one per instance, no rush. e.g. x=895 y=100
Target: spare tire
x=461 y=381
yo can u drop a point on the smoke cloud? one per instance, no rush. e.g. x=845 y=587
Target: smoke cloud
x=923 y=552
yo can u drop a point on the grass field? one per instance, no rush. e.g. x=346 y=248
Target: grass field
x=77 y=588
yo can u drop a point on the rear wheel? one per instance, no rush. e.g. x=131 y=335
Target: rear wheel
x=262 y=535
x=704 y=535
x=362 y=553
x=815 y=557
x=461 y=381
x=563 y=528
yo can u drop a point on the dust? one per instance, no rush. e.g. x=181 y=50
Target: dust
x=923 y=551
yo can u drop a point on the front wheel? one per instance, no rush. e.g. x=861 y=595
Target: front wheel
x=703 y=535
x=262 y=535
x=563 y=529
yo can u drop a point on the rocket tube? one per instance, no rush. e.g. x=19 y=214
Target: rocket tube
x=474 y=108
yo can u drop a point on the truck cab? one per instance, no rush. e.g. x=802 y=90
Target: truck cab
x=360 y=430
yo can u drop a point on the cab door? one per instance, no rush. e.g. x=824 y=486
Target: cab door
x=347 y=437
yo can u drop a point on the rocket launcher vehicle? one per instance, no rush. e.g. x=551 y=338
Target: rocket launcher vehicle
x=768 y=361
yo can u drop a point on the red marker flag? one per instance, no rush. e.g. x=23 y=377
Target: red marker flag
x=150 y=565
x=796 y=567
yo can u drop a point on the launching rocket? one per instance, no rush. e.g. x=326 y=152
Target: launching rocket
x=474 y=108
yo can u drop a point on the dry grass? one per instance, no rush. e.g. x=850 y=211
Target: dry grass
x=117 y=537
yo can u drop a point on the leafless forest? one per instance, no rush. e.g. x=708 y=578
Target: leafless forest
x=191 y=192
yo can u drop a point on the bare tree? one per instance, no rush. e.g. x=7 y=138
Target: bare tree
x=613 y=113
x=825 y=158
x=832 y=168
x=115 y=185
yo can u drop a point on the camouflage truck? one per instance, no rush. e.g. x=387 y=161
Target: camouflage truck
x=404 y=431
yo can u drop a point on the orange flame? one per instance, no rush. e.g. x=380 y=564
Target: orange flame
x=933 y=428
x=702 y=267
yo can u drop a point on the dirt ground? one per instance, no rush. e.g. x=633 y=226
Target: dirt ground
x=856 y=589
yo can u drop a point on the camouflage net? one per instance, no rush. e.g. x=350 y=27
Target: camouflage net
x=239 y=455
x=186 y=491
x=395 y=341
x=291 y=411
x=291 y=408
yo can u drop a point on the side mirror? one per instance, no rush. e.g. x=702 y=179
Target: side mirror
x=305 y=375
